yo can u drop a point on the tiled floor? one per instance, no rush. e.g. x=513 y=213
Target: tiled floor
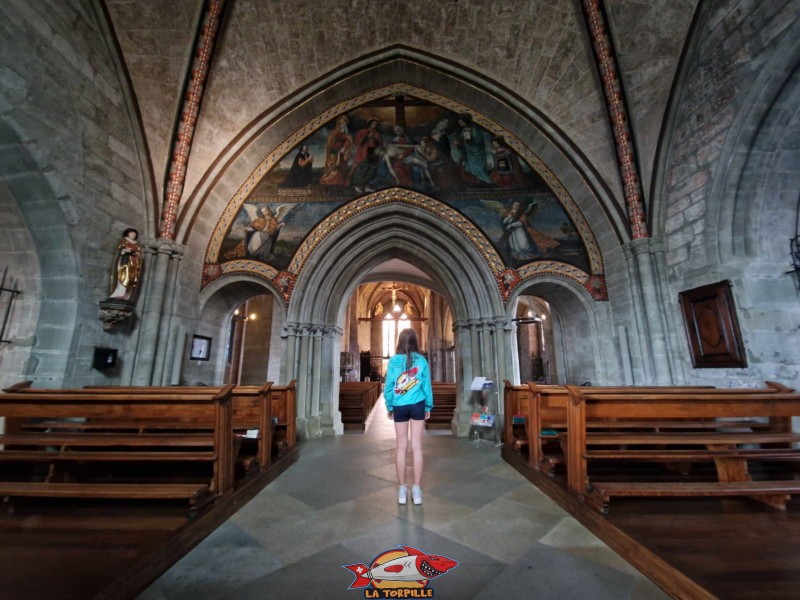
x=338 y=506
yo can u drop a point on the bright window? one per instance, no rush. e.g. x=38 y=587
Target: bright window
x=389 y=335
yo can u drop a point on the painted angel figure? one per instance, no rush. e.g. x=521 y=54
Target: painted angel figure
x=263 y=229
x=525 y=241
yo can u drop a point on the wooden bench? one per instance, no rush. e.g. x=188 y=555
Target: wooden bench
x=444 y=406
x=548 y=415
x=50 y=426
x=251 y=412
x=283 y=400
x=356 y=401
x=724 y=427
x=517 y=413
x=267 y=408
x=197 y=496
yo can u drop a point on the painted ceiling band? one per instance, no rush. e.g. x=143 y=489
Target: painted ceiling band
x=190 y=108
x=620 y=124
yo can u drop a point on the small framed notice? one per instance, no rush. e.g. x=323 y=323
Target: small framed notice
x=201 y=348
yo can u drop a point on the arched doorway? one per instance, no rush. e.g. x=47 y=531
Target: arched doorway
x=391 y=297
x=535 y=340
x=570 y=326
x=475 y=249
x=394 y=224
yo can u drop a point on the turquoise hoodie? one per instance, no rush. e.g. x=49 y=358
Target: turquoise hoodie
x=408 y=387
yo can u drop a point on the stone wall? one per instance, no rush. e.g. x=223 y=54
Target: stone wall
x=61 y=95
x=729 y=200
x=20 y=265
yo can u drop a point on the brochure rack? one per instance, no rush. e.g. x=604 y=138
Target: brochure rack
x=484 y=423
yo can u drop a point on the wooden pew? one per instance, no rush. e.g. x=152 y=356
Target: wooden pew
x=251 y=410
x=356 y=401
x=283 y=400
x=724 y=430
x=444 y=406
x=250 y=407
x=548 y=415
x=517 y=404
x=71 y=443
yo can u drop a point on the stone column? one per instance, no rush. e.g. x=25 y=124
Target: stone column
x=653 y=333
x=466 y=347
x=488 y=355
x=673 y=328
x=314 y=422
x=640 y=364
x=152 y=332
x=303 y=396
x=330 y=417
x=289 y=365
x=475 y=347
x=166 y=352
x=313 y=353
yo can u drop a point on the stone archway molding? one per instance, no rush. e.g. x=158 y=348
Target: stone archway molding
x=574 y=306
x=506 y=279
x=337 y=264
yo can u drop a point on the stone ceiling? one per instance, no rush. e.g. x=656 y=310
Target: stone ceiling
x=539 y=50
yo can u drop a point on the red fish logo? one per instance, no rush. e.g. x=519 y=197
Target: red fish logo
x=406 y=568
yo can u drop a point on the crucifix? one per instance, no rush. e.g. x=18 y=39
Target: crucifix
x=393 y=289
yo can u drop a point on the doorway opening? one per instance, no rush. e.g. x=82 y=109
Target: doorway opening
x=534 y=321
x=254 y=353
x=376 y=314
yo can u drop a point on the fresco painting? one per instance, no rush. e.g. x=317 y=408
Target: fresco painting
x=419 y=146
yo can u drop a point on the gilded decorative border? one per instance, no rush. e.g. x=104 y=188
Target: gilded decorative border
x=553 y=267
x=247 y=267
x=276 y=155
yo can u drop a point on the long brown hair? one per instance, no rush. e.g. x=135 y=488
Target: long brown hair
x=407 y=343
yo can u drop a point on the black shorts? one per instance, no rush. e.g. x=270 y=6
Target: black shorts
x=404 y=412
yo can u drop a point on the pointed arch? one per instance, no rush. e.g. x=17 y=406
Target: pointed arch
x=242 y=162
x=577 y=317
x=388 y=225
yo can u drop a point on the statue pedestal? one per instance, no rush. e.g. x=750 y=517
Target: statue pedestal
x=114 y=311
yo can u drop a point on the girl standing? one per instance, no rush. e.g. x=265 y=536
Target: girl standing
x=409 y=398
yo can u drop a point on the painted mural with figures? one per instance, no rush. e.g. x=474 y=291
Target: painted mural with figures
x=407 y=142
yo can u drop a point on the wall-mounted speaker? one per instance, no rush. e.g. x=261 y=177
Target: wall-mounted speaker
x=104 y=358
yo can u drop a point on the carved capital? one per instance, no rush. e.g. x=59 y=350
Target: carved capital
x=637 y=247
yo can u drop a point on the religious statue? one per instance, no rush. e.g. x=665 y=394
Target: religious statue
x=378 y=309
x=127 y=268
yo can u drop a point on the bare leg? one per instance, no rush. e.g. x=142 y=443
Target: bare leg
x=417 y=429
x=401 y=429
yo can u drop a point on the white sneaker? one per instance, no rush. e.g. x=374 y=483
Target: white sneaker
x=402 y=495
x=416 y=494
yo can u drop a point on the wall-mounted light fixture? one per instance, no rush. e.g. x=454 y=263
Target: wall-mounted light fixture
x=238 y=316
